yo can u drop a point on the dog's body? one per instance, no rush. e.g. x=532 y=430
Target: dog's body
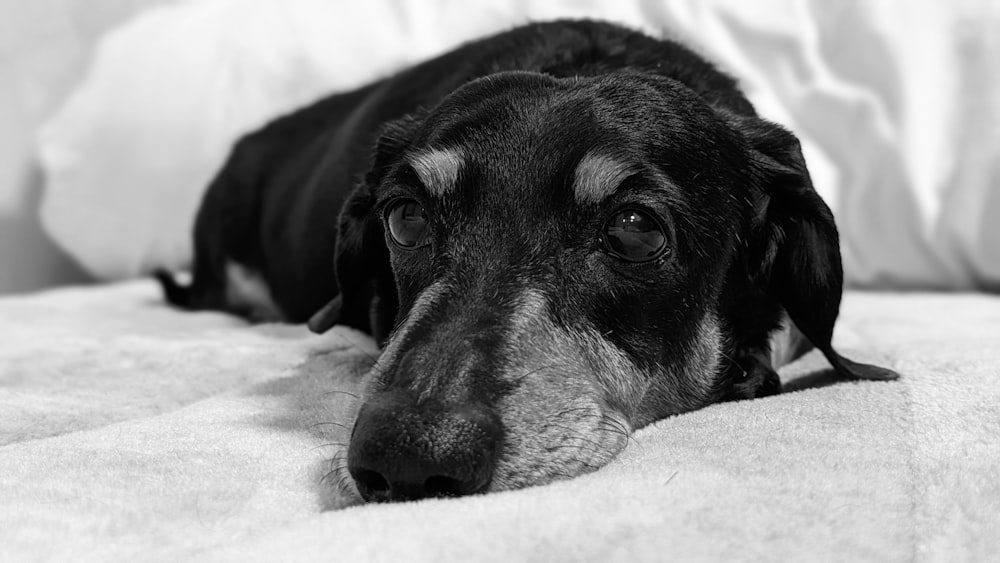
x=565 y=232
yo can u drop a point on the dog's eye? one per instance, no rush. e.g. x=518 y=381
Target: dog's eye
x=407 y=223
x=634 y=236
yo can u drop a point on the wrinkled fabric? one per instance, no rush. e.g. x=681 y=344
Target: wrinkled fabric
x=897 y=105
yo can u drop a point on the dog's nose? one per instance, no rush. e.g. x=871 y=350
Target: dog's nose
x=404 y=451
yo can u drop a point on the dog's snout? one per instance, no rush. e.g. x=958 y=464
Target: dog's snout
x=402 y=450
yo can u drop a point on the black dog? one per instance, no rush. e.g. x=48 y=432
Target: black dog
x=560 y=233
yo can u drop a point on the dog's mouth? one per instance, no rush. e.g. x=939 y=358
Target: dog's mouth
x=571 y=441
x=402 y=449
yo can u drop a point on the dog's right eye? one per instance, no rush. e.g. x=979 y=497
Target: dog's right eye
x=635 y=236
x=407 y=223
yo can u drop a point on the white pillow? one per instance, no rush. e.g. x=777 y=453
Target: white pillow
x=897 y=110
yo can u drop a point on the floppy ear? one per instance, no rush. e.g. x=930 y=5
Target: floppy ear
x=368 y=300
x=800 y=258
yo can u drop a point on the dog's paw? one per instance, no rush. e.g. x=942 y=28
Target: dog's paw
x=752 y=377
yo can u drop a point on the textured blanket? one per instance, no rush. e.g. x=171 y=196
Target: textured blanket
x=132 y=432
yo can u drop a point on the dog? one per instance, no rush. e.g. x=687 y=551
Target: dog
x=558 y=234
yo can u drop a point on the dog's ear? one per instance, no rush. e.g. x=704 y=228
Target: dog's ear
x=798 y=250
x=368 y=300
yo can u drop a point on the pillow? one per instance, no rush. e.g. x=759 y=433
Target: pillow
x=897 y=110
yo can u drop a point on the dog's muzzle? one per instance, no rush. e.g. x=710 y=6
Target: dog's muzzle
x=406 y=449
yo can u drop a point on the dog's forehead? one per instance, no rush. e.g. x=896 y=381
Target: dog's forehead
x=595 y=177
x=582 y=137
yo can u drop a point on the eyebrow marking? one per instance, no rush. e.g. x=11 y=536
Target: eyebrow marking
x=598 y=176
x=438 y=169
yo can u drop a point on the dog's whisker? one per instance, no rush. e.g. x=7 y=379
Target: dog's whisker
x=337 y=456
x=624 y=428
x=329 y=445
x=616 y=424
x=575 y=447
x=575 y=435
x=322 y=480
x=344 y=485
x=348 y=393
x=734 y=363
x=604 y=422
x=628 y=439
x=608 y=426
x=588 y=413
x=352 y=344
x=338 y=466
x=535 y=371
x=575 y=409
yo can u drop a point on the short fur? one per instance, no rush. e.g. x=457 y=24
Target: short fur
x=517 y=348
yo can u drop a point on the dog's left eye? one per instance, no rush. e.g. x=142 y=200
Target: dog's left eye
x=407 y=223
x=634 y=236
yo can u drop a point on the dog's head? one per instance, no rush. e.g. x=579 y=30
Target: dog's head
x=551 y=263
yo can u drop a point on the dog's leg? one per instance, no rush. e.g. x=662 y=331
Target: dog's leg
x=752 y=375
x=248 y=295
x=788 y=344
x=753 y=369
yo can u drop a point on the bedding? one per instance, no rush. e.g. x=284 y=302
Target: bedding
x=131 y=431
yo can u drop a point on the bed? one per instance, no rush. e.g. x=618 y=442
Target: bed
x=135 y=432
x=132 y=431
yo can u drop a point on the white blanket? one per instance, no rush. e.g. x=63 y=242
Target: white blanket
x=133 y=432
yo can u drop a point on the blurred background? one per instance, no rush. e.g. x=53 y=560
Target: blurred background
x=45 y=48
x=115 y=113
